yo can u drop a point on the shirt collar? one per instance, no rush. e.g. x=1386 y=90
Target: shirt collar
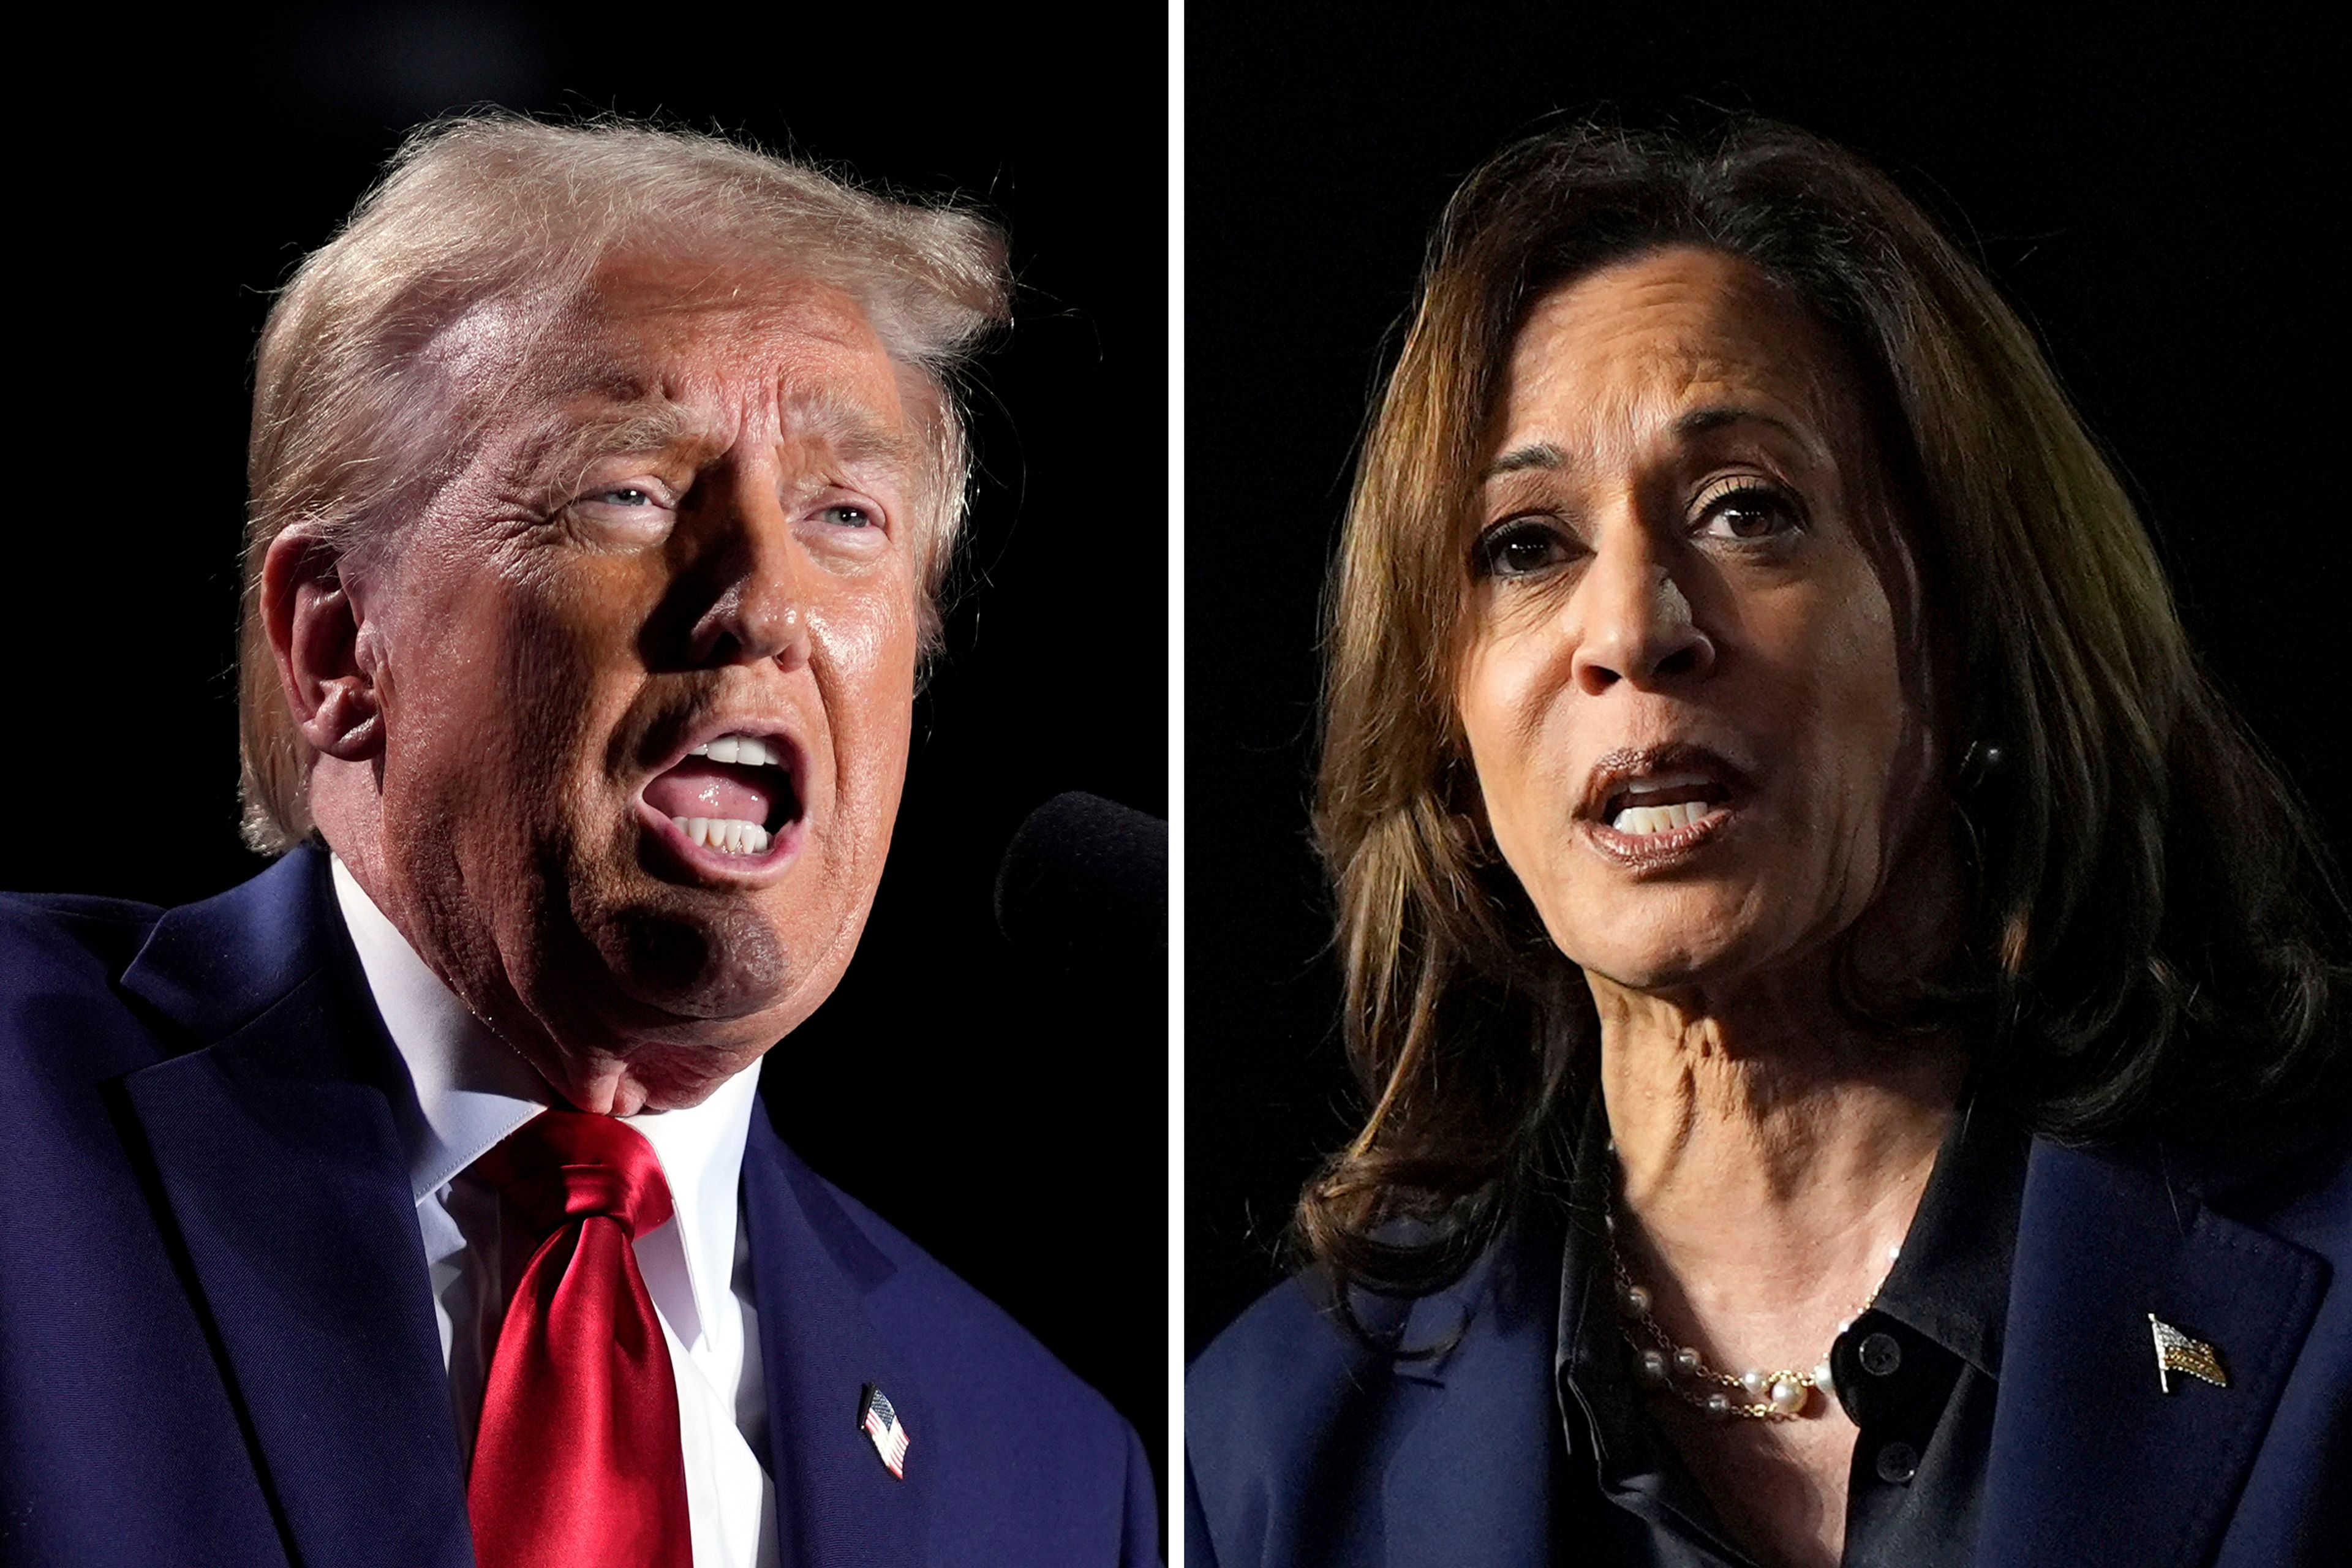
x=473 y=1089
x=1950 y=1281
x=1590 y=1372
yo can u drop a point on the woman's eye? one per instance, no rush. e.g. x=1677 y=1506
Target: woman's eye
x=1748 y=512
x=1519 y=549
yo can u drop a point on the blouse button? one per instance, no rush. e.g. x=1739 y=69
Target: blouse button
x=1897 y=1463
x=1881 y=1355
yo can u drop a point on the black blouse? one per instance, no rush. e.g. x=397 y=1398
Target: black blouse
x=1919 y=1373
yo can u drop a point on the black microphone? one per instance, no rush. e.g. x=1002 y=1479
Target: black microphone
x=1085 y=878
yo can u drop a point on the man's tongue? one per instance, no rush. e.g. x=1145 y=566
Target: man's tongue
x=700 y=787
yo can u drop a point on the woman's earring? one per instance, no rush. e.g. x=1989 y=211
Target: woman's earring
x=1978 y=763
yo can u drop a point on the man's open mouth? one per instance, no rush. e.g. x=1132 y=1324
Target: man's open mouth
x=732 y=795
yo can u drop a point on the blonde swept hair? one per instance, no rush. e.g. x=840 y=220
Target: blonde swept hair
x=353 y=434
x=2151 y=926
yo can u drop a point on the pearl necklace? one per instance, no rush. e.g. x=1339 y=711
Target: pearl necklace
x=1666 y=1367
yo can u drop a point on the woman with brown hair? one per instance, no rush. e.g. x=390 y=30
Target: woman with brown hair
x=1851 y=1019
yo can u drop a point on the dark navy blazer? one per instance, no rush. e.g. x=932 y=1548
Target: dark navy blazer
x=216 y=1335
x=1305 y=1448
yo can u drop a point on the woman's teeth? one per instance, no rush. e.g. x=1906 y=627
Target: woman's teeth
x=1660 y=818
x=727 y=836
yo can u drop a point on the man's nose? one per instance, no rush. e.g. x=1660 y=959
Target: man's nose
x=1634 y=621
x=758 y=610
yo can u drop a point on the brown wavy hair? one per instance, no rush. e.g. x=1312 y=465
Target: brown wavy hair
x=2151 y=933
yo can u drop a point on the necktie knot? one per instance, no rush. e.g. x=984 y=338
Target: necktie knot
x=567 y=1165
x=578 y=1460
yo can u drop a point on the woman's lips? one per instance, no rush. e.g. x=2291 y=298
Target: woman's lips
x=1669 y=847
x=1650 y=808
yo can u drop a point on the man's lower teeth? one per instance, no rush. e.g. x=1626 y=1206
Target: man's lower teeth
x=724 y=835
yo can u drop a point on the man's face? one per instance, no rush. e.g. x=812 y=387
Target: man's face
x=696 y=535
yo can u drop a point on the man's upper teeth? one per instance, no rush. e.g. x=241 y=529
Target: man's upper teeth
x=744 y=750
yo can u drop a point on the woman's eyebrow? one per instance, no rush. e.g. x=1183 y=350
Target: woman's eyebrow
x=1537 y=455
x=1693 y=422
x=1716 y=415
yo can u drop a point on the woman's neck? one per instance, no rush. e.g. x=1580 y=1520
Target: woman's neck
x=1771 y=1156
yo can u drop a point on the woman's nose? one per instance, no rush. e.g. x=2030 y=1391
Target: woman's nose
x=759 y=608
x=1635 y=624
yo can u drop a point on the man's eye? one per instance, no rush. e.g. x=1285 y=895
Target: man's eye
x=1518 y=547
x=627 y=495
x=1748 y=512
x=846 y=516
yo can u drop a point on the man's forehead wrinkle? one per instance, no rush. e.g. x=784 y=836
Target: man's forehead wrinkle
x=736 y=296
x=679 y=368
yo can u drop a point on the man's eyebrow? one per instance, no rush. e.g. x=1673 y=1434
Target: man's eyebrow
x=568 y=444
x=566 y=447
x=1519 y=459
x=857 y=434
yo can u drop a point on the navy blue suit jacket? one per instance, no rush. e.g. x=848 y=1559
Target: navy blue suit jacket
x=216 y=1338
x=1304 y=1446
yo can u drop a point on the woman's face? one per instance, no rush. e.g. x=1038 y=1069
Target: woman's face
x=1682 y=690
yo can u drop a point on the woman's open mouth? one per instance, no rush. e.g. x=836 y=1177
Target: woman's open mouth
x=1662 y=805
x=1654 y=809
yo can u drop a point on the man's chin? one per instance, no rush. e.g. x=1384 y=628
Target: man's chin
x=724 y=966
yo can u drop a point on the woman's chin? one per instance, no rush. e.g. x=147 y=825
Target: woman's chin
x=1676 y=963
x=1656 y=974
x=1655 y=937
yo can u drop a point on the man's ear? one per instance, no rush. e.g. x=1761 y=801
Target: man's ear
x=316 y=631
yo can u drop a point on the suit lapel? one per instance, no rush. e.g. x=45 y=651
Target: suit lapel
x=1469 y=1479
x=2090 y=1462
x=812 y=1269
x=275 y=1149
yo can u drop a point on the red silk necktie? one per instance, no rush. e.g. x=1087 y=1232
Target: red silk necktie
x=577 y=1462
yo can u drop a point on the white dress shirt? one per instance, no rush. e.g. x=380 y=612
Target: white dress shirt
x=474 y=1091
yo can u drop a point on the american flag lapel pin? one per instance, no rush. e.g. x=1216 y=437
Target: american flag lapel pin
x=2176 y=1351
x=879 y=1421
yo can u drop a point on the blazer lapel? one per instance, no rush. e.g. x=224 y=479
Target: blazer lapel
x=276 y=1152
x=1469 y=1480
x=812 y=1268
x=2092 y=1463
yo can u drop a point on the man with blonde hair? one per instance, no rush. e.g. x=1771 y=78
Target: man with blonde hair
x=409 y=1204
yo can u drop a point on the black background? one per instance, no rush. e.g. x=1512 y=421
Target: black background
x=162 y=186
x=2161 y=203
